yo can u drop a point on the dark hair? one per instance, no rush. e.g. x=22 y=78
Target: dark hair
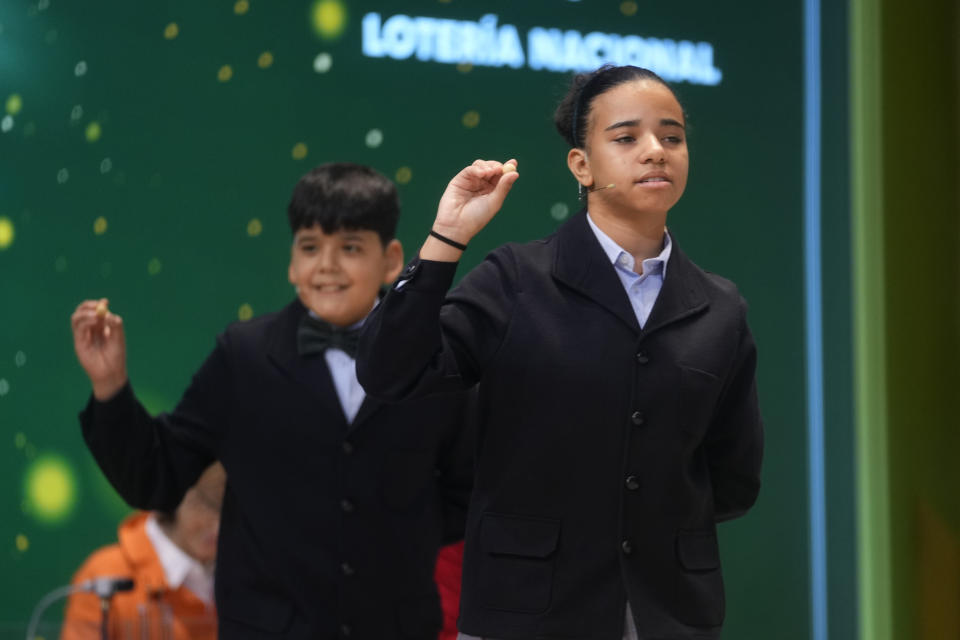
x=572 y=114
x=343 y=195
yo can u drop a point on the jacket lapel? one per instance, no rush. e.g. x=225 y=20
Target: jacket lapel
x=682 y=294
x=581 y=264
x=310 y=372
x=367 y=409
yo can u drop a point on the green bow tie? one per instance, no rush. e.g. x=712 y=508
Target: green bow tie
x=316 y=336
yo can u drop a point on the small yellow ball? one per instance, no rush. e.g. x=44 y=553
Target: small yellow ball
x=471 y=119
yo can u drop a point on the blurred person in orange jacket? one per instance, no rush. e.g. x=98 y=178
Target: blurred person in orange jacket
x=170 y=557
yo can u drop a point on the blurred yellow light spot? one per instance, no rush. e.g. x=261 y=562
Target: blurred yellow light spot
x=93 y=131
x=245 y=312
x=241 y=7
x=154 y=266
x=6 y=232
x=171 y=31
x=50 y=489
x=299 y=151
x=628 y=8
x=254 y=227
x=465 y=67
x=329 y=18
x=471 y=119
x=19 y=440
x=265 y=60
x=403 y=175
x=23 y=543
x=225 y=73
x=14 y=104
x=100 y=226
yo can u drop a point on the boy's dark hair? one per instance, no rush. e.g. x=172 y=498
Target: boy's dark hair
x=343 y=195
x=573 y=112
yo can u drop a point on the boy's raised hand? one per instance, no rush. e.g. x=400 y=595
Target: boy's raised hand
x=101 y=347
x=469 y=202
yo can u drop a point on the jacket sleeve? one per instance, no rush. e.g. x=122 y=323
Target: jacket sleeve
x=734 y=443
x=152 y=461
x=421 y=340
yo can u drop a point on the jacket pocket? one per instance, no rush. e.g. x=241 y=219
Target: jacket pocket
x=519 y=555
x=699 y=391
x=699 y=597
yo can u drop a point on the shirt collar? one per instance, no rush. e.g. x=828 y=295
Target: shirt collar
x=177 y=564
x=620 y=257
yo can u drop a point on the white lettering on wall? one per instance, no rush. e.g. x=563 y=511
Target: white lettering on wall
x=486 y=43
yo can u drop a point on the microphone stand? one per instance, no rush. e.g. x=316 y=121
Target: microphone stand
x=103 y=587
x=46 y=601
x=105 y=616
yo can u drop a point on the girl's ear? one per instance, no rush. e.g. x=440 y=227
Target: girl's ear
x=579 y=166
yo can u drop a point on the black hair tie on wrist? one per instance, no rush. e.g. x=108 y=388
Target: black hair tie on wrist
x=446 y=240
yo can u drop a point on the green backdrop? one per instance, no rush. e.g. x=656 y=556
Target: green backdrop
x=149 y=149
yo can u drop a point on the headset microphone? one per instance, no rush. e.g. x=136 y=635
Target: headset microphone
x=609 y=186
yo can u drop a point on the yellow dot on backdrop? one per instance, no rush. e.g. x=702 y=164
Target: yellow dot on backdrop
x=245 y=312
x=14 y=104
x=241 y=7
x=93 y=131
x=154 y=266
x=464 y=67
x=225 y=73
x=171 y=31
x=6 y=232
x=328 y=18
x=471 y=119
x=403 y=175
x=100 y=226
x=254 y=228
x=22 y=542
x=628 y=8
x=265 y=60
x=50 y=489
x=299 y=151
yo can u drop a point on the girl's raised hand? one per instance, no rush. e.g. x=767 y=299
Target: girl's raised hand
x=470 y=201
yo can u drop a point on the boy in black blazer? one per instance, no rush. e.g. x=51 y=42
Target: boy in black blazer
x=336 y=504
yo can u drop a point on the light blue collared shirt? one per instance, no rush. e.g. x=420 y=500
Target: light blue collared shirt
x=642 y=290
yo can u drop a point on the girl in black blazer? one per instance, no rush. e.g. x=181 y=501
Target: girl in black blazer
x=618 y=407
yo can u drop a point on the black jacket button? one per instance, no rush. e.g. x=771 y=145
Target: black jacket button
x=347 y=447
x=346 y=506
x=346 y=569
x=642 y=357
x=637 y=418
x=627 y=547
x=633 y=483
